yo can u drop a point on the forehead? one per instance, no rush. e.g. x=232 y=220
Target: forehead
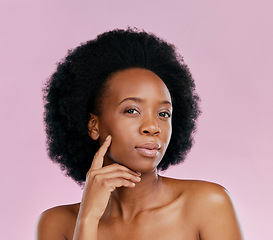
x=137 y=82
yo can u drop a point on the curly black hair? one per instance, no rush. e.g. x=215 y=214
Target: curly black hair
x=73 y=90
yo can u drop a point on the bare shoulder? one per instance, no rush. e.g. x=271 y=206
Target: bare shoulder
x=208 y=196
x=57 y=222
x=209 y=206
x=204 y=194
x=198 y=188
x=205 y=191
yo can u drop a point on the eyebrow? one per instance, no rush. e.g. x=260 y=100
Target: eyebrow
x=140 y=100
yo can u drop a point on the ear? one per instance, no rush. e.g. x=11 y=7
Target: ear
x=93 y=127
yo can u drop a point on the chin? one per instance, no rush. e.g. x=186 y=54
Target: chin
x=138 y=164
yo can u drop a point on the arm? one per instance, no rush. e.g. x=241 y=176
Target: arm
x=218 y=218
x=86 y=229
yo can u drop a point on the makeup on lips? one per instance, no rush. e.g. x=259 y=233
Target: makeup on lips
x=150 y=149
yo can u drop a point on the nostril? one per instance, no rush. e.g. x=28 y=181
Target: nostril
x=151 y=129
x=151 y=132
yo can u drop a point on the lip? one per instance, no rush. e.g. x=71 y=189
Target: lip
x=149 y=145
x=150 y=149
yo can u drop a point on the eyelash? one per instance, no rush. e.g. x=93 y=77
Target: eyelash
x=133 y=109
x=169 y=115
x=130 y=109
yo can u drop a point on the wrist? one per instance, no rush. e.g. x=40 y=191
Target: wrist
x=86 y=229
x=88 y=220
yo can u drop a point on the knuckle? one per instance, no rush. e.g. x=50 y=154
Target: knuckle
x=96 y=177
x=126 y=169
x=126 y=175
x=119 y=171
x=91 y=174
x=105 y=183
x=132 y=178
x=121 y=168
x=116 y=165
x=128 y=183
x=125 y=181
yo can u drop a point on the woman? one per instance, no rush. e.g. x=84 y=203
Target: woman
x=118 y=109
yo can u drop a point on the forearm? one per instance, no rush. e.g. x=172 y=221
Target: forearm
x=86 y=230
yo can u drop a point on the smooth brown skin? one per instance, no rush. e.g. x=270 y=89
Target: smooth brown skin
x=156 y=207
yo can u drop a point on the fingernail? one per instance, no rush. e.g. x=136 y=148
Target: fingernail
x=107 y=137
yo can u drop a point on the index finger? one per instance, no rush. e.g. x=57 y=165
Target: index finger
x=98 y=158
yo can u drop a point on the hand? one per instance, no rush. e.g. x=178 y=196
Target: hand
x=101 y=181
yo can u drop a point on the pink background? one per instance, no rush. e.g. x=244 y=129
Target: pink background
x=228 y=46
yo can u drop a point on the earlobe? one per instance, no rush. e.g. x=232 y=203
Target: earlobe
x=93 y=128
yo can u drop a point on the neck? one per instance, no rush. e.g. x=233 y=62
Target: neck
x=126 y=203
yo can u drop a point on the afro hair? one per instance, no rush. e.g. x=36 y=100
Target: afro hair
x=73 y=90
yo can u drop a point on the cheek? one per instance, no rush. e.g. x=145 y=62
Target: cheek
x=122 y=139
x=120 y=150
x=121 y=128
x=166 y=129
x=166 y=134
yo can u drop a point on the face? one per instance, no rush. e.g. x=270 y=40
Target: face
x=137 y=114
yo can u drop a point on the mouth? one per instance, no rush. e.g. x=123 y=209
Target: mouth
x=148 y=149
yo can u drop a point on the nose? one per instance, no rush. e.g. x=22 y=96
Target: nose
x=150 y=127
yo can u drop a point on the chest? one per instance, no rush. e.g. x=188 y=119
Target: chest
x=153 y=225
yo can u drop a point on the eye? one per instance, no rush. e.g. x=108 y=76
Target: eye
x=131 y=111
x=164 y=114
